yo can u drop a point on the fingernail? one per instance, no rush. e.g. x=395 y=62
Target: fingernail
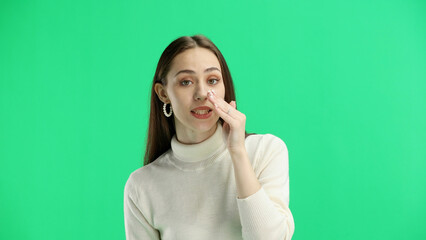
x=213 y=91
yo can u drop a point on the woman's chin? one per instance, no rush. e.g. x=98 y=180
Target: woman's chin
x=204 y=126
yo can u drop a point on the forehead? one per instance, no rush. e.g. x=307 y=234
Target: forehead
x=196 y=59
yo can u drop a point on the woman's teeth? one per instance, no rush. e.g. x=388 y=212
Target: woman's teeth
x=201 y=111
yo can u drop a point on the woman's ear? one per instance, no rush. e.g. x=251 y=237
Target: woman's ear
x=160 y=90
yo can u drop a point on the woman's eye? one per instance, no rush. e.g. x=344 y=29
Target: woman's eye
x=213 y=81
x=185 y=82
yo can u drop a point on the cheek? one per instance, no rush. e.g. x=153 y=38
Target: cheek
x=221 y=90
x=180 y=101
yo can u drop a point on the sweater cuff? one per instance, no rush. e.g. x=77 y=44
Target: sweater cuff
x=258 y=213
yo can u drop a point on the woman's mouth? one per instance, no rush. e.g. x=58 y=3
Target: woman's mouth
x=202 y=114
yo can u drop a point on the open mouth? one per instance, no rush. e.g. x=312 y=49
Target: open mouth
x=202 y=112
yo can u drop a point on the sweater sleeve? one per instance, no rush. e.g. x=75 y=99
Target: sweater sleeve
x=136 y=225
x=266 y=214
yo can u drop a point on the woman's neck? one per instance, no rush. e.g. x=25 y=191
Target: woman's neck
x=189 y=136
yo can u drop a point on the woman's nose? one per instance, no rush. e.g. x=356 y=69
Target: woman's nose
x=201 y=92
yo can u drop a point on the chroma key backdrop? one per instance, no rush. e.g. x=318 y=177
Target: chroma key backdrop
x=342 y=83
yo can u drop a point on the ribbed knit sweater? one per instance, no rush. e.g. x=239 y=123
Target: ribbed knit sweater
x=189 y=192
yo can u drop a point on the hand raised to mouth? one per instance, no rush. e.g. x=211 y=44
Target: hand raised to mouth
x=235 y=122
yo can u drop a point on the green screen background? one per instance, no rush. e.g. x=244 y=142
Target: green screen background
x=342 y=83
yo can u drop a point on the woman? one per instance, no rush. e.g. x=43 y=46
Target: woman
x=204 y=177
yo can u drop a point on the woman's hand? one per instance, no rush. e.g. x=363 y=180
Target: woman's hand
x=234 y=122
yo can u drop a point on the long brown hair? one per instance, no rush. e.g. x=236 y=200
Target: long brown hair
x=161 y=129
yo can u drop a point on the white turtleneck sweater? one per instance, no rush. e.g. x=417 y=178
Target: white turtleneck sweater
x=189 y=192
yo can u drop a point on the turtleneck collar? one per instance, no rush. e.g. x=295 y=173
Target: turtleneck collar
x=198 y=152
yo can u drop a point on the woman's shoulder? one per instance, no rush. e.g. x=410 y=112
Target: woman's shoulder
x=265 y=140
x=145 y=175
x=134 y=180
x=264 y=150
x=262 y=147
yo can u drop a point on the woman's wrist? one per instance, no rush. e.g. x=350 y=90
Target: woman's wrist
x=238 y=153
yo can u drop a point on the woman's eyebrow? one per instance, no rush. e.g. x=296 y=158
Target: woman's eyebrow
x=192 y=72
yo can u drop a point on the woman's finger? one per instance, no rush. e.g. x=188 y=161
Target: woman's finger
x=238 y=114
x=225 y=116
x=218 y=101
x=223 y=105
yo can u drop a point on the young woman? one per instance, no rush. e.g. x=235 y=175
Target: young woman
x=204 y=177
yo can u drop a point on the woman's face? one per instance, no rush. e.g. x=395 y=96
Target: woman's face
x=192 y=73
